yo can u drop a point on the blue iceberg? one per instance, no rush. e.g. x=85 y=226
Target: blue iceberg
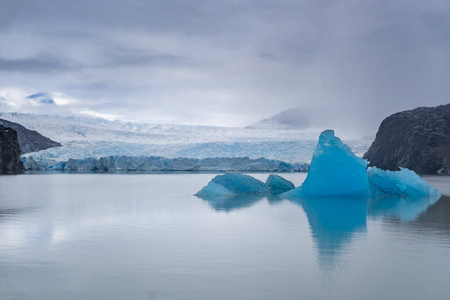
x=334 y=171
x=404 y=183
x=234 y=184
x=215 y=189
x=230 y=184
x=278 y=185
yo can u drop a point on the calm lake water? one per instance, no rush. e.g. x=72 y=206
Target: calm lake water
x=145 y=236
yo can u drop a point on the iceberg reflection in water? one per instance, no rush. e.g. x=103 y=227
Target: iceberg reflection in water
x=402 y=209
x=335 y=221
x=127 y=236
x=230 y=203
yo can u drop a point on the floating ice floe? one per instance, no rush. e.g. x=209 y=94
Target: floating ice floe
x=403 y=183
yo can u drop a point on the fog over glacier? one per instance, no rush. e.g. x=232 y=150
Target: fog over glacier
x=346 y=64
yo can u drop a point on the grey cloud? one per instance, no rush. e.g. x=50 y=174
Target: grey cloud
x=30 y=65
x=117 y=57
x=347 y=63
x=188 y=16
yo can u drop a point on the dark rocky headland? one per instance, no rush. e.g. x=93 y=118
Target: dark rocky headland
x=30 y=140
x=417 y=139
x=9 y=152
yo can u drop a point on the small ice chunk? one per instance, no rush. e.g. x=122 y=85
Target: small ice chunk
x=278 y=185
x=403 y=183
x=232 y=182
x=334 y=171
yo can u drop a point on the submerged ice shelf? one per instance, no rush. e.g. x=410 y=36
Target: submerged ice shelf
x=334 y=172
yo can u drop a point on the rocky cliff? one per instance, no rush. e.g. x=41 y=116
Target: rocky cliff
x=417 y=139
x=30 y=140
x=9 y=152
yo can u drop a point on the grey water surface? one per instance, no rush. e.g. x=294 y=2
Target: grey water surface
x=145 y=236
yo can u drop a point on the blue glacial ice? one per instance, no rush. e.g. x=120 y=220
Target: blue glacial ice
x=215 y=189
x=278 y=185
x=403 y=183
x=334 y=171
x=233 y=184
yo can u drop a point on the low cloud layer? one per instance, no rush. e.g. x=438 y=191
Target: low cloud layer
x=347 y=64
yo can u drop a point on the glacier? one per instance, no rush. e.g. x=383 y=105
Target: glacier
x=83 y=137
x=336 y=172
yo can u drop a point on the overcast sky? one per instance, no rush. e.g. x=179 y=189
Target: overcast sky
x=347 y=64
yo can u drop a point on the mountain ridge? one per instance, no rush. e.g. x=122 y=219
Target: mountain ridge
x=29 y=140
x=293 y=118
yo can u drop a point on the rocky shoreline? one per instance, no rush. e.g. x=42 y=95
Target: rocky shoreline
x=9 y=152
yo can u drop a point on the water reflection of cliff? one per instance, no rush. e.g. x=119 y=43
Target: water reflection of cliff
x=436 y=220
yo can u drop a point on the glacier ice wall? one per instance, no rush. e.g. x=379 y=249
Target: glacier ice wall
x=157 y=163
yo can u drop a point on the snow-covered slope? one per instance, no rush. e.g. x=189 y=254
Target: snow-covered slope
x=94 y=137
